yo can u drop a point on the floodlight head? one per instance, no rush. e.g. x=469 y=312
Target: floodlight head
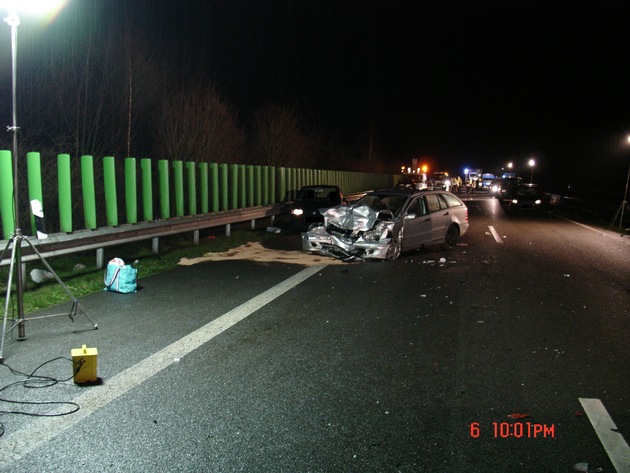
x=30 y=7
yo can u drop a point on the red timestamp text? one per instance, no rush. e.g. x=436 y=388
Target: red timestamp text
x=504 y=430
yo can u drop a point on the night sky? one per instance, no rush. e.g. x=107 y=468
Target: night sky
x=455 y=83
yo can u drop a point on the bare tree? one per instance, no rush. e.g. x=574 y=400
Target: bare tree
x=196 y=124
x=277 y=140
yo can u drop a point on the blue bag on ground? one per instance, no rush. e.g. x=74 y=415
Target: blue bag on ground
x=120 y=277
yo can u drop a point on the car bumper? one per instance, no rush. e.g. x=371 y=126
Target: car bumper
x=331 y=245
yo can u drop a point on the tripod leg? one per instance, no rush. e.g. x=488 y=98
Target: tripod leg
x=8 y=298
x=75 y=302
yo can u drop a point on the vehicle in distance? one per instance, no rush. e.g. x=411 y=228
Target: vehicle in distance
x=384 y=223
x=309 y=202
x=525 y=197
x=440 y=180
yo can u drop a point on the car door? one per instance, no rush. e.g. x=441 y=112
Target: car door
x=416 y=224
x=440 y=218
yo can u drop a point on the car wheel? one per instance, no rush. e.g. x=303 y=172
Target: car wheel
x=393 y=251
x=452 y=236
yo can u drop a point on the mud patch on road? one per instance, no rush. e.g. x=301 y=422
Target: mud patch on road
x=257 y=252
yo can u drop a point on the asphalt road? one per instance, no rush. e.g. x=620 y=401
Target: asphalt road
x=412 y=365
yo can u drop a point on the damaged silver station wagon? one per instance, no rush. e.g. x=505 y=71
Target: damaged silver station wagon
x=384 y=223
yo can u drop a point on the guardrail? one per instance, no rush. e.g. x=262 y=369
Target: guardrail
x=86 y=240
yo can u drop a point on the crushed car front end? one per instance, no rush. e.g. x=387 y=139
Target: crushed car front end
x=350 y=233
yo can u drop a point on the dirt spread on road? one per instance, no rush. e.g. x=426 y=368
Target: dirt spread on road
x=257 y=252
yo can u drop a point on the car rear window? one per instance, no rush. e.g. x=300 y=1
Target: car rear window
x=451 y=200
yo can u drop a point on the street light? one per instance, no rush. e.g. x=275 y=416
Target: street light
x=531 y=163
x=624 y=204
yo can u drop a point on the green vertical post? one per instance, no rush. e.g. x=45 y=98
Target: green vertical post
x=234 y=186
x=203 y=188
x=89 y=194
x=192 y=188
x=242 y=176
x=265 y=185
x=147 y=189
x=34 y=179
x=109 y=181
x=281 y=184
x=165 y=189
x=214 y=183
x=225 y=192
x=178 y=187
x=257 y=186
x=272 y=185
x=250 y=185
x=131 y=190
x=64 y=186
x=6 y=194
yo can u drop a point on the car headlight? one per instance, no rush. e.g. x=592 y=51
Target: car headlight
x=537 y=202
x=514 y=201
x=297 y=212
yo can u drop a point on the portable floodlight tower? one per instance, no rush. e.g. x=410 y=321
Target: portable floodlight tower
x=13 y=20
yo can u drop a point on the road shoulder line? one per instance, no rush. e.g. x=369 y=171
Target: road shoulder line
x=612 y=440
x=44 y=429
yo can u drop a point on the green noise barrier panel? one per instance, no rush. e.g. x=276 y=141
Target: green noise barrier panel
x=89 y=193
x=178 y=187
x=192 y=188
x=111 y=200
x=205 y=188
x=34 y=173
x=131 y=191
x=147 y=189
x=6 y=194
x=64 y=191
x=204 y=195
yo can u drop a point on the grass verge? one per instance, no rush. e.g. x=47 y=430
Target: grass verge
x=79 y=273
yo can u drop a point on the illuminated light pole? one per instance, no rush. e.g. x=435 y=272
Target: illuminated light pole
x=531 y=163
x=624 y=204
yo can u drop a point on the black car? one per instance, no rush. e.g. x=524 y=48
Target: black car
x=525 y=197
x=308 y=204
x=507 y=187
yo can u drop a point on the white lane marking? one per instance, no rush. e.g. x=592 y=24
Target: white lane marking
x=495 y=234
x=605 y=233
x=613 y=442
x=45 y=429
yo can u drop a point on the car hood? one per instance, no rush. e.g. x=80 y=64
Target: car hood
x=347 y=217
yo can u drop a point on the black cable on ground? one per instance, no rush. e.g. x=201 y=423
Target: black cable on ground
x=33 y=381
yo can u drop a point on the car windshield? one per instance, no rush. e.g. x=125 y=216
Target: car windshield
x=378 y=202
x=527 y=191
